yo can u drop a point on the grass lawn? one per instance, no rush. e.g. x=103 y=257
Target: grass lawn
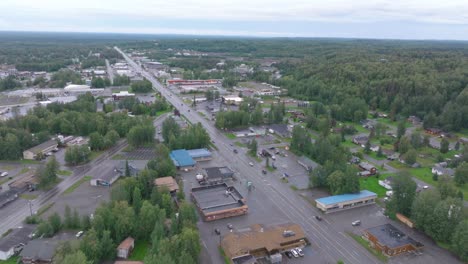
x=12 y=260
x=77 y=184
x=2 y=181
x=95 y=154
x=349 y=144
x=64 y=172
x=201 y=114
x=28 y=196
x=239 y=144
x=163 y=112
x=23 y=171
x=139 y=252
x=44 y=209
x=270 y=169
x=22 y=161
x=365 y=244
x=373 y=155
x=118 y=157
x=358 y=127
x=372 y=184
x=230 y=136
x=7 y=167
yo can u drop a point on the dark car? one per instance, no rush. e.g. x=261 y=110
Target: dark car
x=235 y=151
x=264 y=171
x=318 y=218
x=288 y=254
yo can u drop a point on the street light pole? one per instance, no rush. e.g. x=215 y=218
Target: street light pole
x=30 y=207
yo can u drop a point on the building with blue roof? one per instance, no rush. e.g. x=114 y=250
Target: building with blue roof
x=345 y=201
x=200 y=154
x=182 y=159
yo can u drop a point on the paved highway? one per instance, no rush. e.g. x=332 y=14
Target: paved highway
x=332 y=244
x=110 y=71
x=13 y=214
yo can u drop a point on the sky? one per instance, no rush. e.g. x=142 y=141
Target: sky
x=387 y=19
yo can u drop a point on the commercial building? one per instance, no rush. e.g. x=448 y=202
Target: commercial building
x=232 y=100
x=168 y=182
x=215 y=175
x=7 y=197
x=43 y=148
x=218 y=201
x=281 y=130
x=194 y=82
x=125 y=248
x=345 y=201
x=121 y=95
x=105 y=179
x=390 y=241
x=260 y=241
x=182 y=160
x=11 y=243
x=202 y=154
x=38 y=251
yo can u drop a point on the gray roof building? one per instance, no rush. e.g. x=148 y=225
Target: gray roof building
x=17 y=236
x=38 y=251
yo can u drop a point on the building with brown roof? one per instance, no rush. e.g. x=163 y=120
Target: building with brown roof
x=390 y=241
x=168 y=182
x=218 y=201
x=260 y=241
x=125 y=248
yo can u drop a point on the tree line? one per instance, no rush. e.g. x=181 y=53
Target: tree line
x=439 y=213
x=194 y=137
x=147 y=213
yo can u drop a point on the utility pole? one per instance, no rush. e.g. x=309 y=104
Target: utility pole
x=30 y=207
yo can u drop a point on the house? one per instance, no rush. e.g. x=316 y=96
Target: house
x=125 y=248
x=307 y=163
x=11 y=243
x=169 y=182
x=354 y=160
x=374 y=148
x=41 y=149
x=390 y=241
x=463 y=140
x=433 y=131
x=281 y=130
x=414 y=120
x=365 y=166
x=259 y=241
x=38 y=251
x=440 y=170
x=360 y=140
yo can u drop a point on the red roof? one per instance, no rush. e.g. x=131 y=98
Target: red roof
x=127 y=243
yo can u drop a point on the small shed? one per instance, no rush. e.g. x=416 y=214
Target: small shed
x=168 y=182
x=125 y=248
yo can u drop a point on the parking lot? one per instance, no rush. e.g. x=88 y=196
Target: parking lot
x=142 y=153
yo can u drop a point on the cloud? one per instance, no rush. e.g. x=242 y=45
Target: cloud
x=249 y=17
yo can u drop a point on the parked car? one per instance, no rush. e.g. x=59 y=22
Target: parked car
x=4 y=174
x=264 y=171
x=288 y=254
x=235 y=151
x=299 y=251
x=318 y=218
x=251 y=164
x=356 y=223
x=79 y=234
x=293 y=251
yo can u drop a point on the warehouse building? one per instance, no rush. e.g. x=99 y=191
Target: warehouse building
x=261 y=241
x=200 y=154
x=182 y=160
x=215 y=175
x=48 y=146
x=11 y=243
x=345 y=201
x=390 y=241
x=218 y=201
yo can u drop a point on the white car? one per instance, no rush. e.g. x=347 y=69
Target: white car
x=251 y=164
x=299 y=252
x=294 y=252
x=425 y=187
x=79 y=234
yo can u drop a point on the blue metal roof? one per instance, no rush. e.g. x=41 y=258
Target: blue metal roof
x=345 y=197
x=198 y=153
x=181 y=158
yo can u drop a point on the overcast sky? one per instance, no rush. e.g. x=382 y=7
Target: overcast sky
x=398 y=19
